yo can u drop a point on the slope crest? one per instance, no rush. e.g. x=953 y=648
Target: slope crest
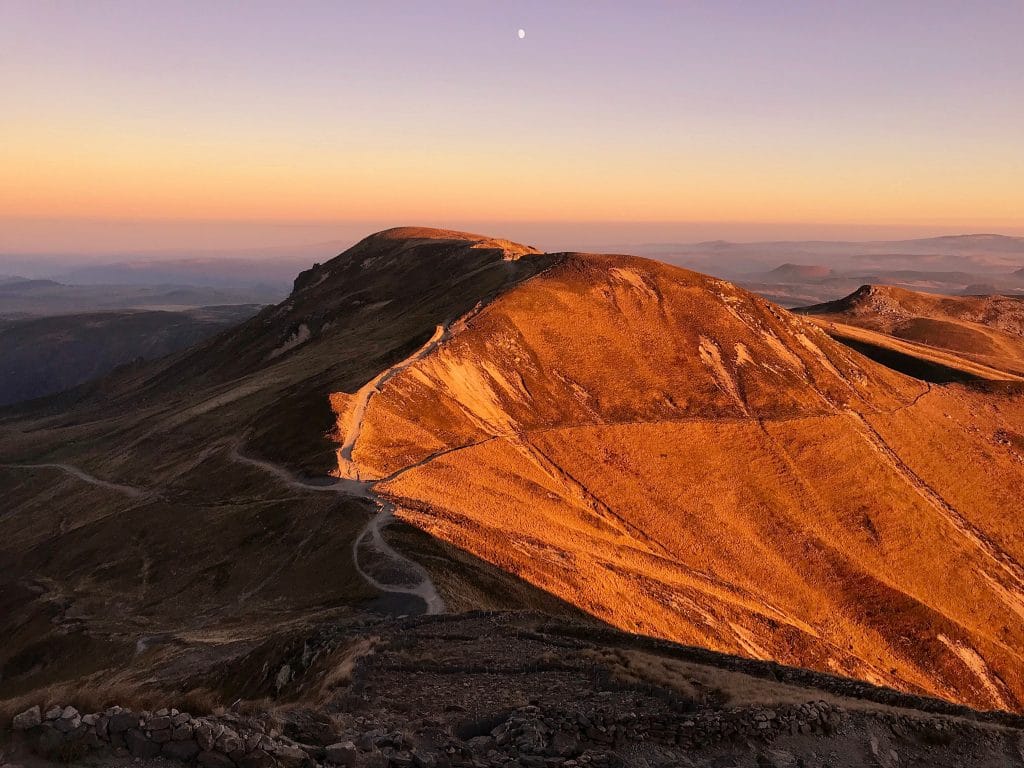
x=609 y=339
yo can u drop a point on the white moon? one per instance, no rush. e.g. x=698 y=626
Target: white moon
x=522 y=33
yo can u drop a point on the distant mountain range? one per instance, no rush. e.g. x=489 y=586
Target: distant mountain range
x=966 y=253
x=42 y=356
x=21 y=297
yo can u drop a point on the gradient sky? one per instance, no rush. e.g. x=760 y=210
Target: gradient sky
x=192 y=117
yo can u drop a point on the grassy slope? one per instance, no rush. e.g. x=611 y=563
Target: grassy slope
x=685 y=460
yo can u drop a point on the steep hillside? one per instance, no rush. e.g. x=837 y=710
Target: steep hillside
x=680 y=458
x=985 y=330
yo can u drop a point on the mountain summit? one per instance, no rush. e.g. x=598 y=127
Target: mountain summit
x=438 y=421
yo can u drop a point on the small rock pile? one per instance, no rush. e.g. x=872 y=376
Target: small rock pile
x=529 y=731
x=530 y=736
x=208 y=741
x=577 y=736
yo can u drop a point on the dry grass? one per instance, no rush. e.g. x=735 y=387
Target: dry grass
x=996 y=369
x=88 y=695
x=95 y=695
x=338 y=667
x=711 y=685
x=683 y=460
x=980 y=335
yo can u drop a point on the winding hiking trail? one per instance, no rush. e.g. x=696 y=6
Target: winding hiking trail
x=379 y=564
x=85 y=477
x=399 y=575
x=375 y=560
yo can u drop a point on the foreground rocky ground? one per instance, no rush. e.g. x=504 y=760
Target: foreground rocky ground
x=507 y=689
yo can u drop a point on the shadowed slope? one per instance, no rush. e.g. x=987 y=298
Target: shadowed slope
x=683 y=459
x=43 y=355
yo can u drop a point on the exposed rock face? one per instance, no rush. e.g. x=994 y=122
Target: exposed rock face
x=343 y=753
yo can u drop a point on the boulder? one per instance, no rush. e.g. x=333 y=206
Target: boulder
x=67 y=724
x=159 y=723
x=777 y=758
x=182 y=733
x=181 y=750
x=30 y=718
x=369 y=740
x=204 y=737
x=49 y=739
x=92 y=741
x=291 y=757
x=228 y=743
x=481 y=744
x=256 y=759
x=565 y=744
x=162 y=736
x=253 y=741
x=53 y=714
x=122 y=721
x=210 y=759
x=343 y=753
x=141 y=747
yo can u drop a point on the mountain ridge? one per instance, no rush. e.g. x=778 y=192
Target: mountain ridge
x=650 y=446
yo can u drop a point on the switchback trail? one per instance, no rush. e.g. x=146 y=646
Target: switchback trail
x=376 y=561
x=371 y=553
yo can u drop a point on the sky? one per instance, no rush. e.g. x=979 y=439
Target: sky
x=235 y=124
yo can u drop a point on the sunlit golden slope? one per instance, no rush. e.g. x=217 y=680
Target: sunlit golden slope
x=681 y=458
x=980 y=336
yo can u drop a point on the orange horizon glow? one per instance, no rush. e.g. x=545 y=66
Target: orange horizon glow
x=715 y=113
x=139 y=177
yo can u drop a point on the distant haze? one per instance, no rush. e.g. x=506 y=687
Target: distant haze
x=75 y=240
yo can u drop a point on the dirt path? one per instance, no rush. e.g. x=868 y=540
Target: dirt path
x=376 y=561
x=85 y=477
x=371 y=554
x=357 y=411
x=1013 y=593
x=326 y=484
x=405 y=576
